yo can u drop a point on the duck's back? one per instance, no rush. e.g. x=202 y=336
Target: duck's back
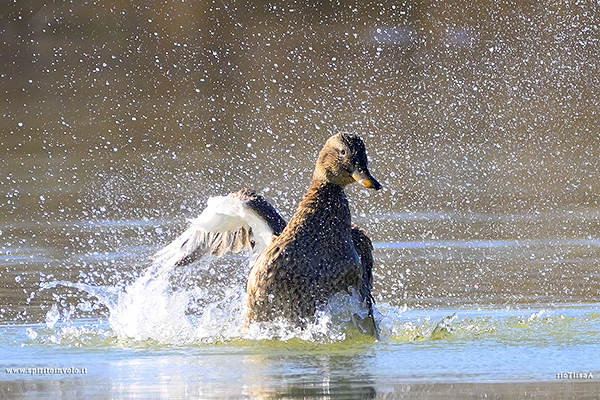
x=312 y=259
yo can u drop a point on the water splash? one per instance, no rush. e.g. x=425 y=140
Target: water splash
x=150 y=309
x=155 y=311
x=146 y=310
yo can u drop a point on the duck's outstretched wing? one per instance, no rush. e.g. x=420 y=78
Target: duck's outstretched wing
x=240 y=221
x=364 y=248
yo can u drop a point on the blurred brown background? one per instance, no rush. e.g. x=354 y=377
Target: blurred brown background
x=135 y=112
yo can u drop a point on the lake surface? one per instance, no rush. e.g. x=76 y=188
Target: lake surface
x=480 y=120
x=460 y=316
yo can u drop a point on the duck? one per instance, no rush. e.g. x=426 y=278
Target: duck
x=296 y=266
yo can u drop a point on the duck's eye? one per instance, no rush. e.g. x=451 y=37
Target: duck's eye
x=342 y=152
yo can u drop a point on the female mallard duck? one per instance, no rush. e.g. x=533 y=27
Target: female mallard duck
x=302 y=264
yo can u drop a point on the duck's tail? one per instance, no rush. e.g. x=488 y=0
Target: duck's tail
x=240 y=221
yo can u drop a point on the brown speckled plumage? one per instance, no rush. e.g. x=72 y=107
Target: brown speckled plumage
x=319 y=253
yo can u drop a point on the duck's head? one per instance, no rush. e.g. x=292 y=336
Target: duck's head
x=343 y=160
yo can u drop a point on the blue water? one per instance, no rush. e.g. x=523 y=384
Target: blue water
x=474 y=345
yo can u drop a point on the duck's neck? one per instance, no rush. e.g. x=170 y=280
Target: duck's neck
x=323 y=207
x=320 y=192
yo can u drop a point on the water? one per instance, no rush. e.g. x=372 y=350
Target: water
x=480 y=346
x=448 y=310
x=118 y=121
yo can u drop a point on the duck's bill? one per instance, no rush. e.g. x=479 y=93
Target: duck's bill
x=365 y=179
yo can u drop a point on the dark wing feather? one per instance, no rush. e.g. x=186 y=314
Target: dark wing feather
x=364 y=248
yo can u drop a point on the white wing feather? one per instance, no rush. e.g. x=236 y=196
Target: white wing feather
x=224 y=225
